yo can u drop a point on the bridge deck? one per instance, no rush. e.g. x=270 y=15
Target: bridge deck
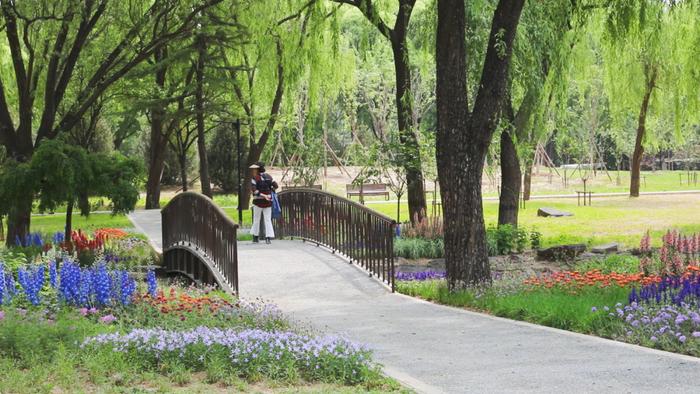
x=440 y=349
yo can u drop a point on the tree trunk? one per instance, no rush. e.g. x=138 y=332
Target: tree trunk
x=462 y=139
x=639 y=142
x=69 y=220
x=254 y=153
x=183 y=171
x=158 y=141
x=156 y=159
x=510 y=182
x=410 y=150
x=18 y=220
x=199 y=103
x=527 y=182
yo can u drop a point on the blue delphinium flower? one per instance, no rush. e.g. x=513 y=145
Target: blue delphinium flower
x=52 y=274
x=127 y=287
x=36 y=240
x=69 y=282
x=102 y=283
x=85 y=287
x=152 y=284
x=59 y=238
x=10 y=286
x=32 y=280
x=2 y=283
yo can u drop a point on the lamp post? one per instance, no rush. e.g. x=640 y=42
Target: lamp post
x=238 y=166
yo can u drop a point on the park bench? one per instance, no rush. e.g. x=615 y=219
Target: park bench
x=367 y=189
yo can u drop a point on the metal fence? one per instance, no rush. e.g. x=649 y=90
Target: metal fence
x=363 y=235
x=192 y=221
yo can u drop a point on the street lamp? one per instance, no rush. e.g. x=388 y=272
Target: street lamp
x=238 y=167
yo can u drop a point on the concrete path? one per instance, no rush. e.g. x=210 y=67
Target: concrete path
x=434 y=348
x=149 y=222
x=441 y=349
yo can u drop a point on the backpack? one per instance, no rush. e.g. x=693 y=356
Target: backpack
x=263 y=183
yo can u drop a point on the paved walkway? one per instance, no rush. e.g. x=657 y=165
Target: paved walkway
x=439 y=349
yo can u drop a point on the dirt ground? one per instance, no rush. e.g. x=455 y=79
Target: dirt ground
x=523 y=264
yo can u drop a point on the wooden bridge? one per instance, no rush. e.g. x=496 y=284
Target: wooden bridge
x=200 y=241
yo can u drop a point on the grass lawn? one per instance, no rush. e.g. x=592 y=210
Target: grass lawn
x=57 y=222
x=614 y=219
x=69 y=375
x=556 y=308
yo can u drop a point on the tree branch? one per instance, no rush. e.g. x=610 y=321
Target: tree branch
x=277 y=101
x=370 y=12
x=494 y=76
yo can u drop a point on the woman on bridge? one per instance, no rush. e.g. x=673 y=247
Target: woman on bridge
x=262 y=186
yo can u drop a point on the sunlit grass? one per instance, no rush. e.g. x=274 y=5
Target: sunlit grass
x=556 y=308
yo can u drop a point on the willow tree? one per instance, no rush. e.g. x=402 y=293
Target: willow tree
x=284 y=41
x=464 y=132
x=46 y=43
x=397 y=36
x=642 y=38
x=540 y=54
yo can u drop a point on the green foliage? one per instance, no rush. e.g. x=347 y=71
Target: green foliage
x=619 y=263
x=307 y=169
x=419 y=248
x=506 y=239
x=67 y=173
x=420 y=241
x=222 y=156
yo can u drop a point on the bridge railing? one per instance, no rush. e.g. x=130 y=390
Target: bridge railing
x=194 y=221
x=363 y=235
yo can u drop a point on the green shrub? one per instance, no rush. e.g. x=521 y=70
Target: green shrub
x=500 y=240
x=613 y=263
x=506 y=239
x=419 y=248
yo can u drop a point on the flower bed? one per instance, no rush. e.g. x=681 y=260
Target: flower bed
x=656 y=306
x=102 y=321
x=248 y=353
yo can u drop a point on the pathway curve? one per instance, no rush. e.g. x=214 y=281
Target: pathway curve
x=440 y=349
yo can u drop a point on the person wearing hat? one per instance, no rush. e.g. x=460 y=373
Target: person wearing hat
x=262 y=186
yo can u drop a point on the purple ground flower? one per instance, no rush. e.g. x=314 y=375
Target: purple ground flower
x=420 y=276
x=107 y=319
x=250 y=350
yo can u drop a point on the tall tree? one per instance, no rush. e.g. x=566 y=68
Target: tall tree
x=409 y=149
x=540 y=53
x=642 y=38
x=463 y=136
x=47 y=43
x=287 y=40
x=201 y=46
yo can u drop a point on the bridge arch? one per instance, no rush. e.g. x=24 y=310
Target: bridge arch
x=199 y=241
